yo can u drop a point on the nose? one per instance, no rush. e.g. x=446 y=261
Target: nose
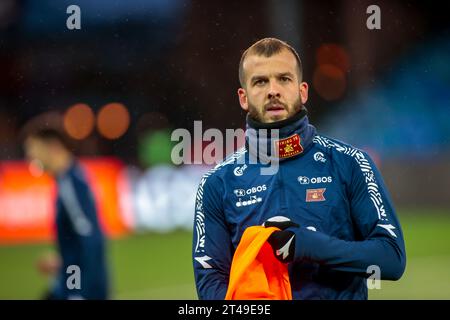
x=274 y=91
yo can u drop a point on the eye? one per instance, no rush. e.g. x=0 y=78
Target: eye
x=285 y=79
x=259 y=82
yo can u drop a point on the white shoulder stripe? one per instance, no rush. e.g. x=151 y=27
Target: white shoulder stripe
x=69 y=198
x=199 y=214
x=366 y=169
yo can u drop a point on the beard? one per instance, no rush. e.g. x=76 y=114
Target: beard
x=259 y=114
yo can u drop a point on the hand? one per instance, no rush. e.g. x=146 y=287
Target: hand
x=49 y=263
x=283 y=241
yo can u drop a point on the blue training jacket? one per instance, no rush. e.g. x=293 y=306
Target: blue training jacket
x=332 y=190
x=79 y=238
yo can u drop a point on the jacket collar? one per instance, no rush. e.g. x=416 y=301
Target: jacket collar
x=279 y=140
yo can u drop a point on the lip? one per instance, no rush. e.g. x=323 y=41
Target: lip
x=275 y=108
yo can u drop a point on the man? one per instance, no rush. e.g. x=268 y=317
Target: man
x=336 y=220
x=80 y=240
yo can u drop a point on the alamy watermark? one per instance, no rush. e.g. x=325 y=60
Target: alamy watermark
x=73 y=22
x=373 y=22
x=261 y=147
x=374 y=280
x=74 y=279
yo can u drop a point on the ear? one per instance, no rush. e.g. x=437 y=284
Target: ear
x=303 y=92
x=243 y=98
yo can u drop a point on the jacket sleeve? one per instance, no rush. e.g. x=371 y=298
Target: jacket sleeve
x=212 y=247
x=80 y=206
x=377 y=229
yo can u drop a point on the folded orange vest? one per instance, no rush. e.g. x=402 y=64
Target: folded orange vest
x=255 y=272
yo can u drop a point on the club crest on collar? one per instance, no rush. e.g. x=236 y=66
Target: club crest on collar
x=289 y=147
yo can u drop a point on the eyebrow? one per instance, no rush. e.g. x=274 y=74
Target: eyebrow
x=283 y=74
x=278 y=75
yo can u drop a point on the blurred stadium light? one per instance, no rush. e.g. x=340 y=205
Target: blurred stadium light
x=329 y=82
x=79 y=121
x=113 y=120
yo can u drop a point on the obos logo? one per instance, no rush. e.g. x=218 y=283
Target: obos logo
x=306 y=180
x=303 y=180
x=248 y=197
x=249 y=191
x=239 y=192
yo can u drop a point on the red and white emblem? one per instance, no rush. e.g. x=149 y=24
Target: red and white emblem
x=314 y=195
x=289 y=147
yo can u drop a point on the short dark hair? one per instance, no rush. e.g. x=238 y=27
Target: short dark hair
x=47 y=127
x=48 y=135
x=267 y=47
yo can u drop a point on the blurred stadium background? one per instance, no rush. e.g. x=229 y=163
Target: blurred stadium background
x=138 y=69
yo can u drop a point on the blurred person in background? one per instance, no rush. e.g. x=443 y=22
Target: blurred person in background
x=80 y=240
x=336 y=221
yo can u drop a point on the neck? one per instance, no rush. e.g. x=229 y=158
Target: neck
x=62 y=163
x=255 y=124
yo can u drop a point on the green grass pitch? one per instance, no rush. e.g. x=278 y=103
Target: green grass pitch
x=158 y=266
